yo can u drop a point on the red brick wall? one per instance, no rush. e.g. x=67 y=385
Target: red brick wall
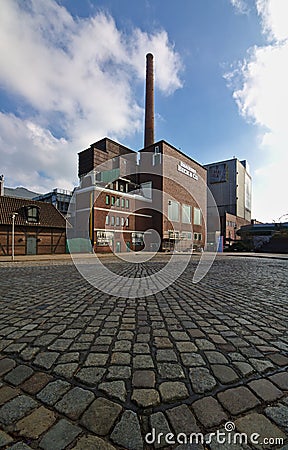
x=49 y=241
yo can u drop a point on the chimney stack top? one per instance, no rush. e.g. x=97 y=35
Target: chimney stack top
x=149 y=102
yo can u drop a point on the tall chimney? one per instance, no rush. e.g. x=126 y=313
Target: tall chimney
x=149 y=102
x=1 y=185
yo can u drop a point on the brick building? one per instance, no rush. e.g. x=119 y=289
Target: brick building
x=129 y=195
x=39 y=227
x=179 y=182
x=159 y=191
x=114 y=195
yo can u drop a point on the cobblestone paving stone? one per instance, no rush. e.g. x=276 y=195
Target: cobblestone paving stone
x=84 y=370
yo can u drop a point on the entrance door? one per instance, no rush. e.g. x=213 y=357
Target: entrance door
x=31 y=245
x=118 y=247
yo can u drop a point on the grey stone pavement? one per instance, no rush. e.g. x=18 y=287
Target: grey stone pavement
x=84 y=370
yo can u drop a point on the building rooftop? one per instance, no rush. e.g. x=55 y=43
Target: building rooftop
x=49 y=216
x=162 y=141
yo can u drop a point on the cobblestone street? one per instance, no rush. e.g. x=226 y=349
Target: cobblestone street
x=84 y=370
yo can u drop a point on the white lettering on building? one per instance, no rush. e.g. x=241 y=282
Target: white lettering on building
x=188 y=170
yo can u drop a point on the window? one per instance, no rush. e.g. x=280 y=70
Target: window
x=127 y=222
x=107 y=201
x=122 y=221
x=121 y=187
x=112 y=200
x=173 y=211
x=186 y=214
x=123 y=202
x=117 y=201
x=127 y=203
x=104 y=238
x=197 y=236
x=107 y=220
x=112 y=220
x=156 y=157
x=32 y=214
x=137 y=238
x=117 y=221
x=197 y=216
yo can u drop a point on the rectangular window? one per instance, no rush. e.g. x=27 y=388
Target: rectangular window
x=127 y=222
x=112 y=220
x=186 y=214
x=195 y=236
x=156 y=159
x=199 y=237
x=122 y=221
x=173 y=211
x=123 y=202
x=104 y=238
x=107 y=201
x=117 y=221
x=112 y=200
x=117 y=201
x=197 y=216
x=107 y=220
x=121 y=187
x=127 y=203
x=32 y=214
x=137 y=238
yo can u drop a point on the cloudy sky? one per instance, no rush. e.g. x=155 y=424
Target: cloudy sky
x=72 y=72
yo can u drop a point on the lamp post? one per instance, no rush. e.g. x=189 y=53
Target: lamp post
x=13 y=234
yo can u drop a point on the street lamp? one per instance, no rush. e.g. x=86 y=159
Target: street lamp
x=13 y=233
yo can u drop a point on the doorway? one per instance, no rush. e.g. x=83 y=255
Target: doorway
x=31 y=245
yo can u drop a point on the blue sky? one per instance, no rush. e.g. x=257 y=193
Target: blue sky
x=72 y=72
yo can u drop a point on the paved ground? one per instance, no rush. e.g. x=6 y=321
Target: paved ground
x=83 y=370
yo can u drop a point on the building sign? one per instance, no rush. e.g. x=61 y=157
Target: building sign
x=188 y=170
x=218 y=173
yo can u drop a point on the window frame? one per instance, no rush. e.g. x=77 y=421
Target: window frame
x=170 y=202
x=185 y=215
x=32 y=218
x=196 y=216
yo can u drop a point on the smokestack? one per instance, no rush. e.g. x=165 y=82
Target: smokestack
x=149 y=102
x=1 y=185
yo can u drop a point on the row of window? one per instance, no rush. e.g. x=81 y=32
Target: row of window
x=174 y=213
x=119 y=186
x=117 y=201
x=112 y=220
x=186 y=235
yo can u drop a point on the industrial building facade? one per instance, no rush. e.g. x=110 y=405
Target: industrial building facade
x=230 y=184
x=133 y=193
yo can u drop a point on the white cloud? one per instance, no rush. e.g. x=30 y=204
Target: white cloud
x=241 y=6
x=274 y=14
x=262 y=97
x=78 y=75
